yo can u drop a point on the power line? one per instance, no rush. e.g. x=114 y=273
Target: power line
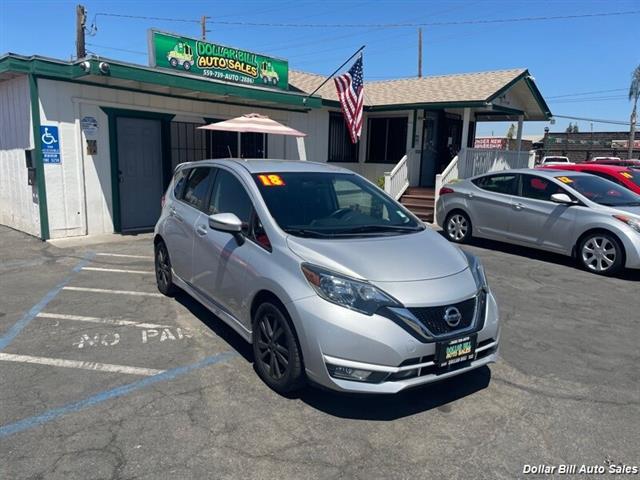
x=592 y=99
x=141 y=17
x=588 y=93
x=137 y=52
x=427 y=24
x=596 y=120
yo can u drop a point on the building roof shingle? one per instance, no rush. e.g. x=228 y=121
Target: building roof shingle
x=465 y=87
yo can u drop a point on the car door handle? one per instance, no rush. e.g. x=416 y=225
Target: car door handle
x=518 y=206
x=201 y=230
x=174 y=214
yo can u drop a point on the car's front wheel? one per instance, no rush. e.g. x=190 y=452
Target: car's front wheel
x=600 y=253
x=276 y=352
x=457 y=227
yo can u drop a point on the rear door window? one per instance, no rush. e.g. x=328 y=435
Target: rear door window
x=501 y=183
x=197 y=187
x=179 y=180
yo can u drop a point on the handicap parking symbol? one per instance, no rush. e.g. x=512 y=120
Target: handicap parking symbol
x=50 y=144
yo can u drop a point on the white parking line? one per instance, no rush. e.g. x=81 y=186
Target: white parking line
x=117 y=292
x=108 y=321
x=117 y=270
x=122 y=255
x=95 y=366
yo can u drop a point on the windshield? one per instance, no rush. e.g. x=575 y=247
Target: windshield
x=632 y=175
x=601 y=191
x=325 y=205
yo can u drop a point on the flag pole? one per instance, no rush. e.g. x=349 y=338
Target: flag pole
x=304 y=100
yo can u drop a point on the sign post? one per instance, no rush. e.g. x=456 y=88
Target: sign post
x=211 y=60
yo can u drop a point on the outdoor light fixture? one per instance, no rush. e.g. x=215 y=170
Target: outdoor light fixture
x=103 y=67
x=86 y=66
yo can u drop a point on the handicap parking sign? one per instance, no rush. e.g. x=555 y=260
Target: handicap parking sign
x=50 y=144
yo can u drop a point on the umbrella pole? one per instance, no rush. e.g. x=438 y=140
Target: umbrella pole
x=302 y=153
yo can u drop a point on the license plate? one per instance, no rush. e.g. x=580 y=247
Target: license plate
x=456 y=351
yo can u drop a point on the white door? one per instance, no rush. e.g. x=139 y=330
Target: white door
x=140 y=172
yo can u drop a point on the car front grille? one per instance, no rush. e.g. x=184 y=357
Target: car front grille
x=433 y=318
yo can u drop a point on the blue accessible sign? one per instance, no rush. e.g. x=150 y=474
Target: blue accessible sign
x=50 y=144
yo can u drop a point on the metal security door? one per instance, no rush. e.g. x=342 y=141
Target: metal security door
x=429 y=157
x=139 y=172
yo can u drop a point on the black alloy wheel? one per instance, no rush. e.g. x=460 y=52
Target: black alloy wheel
x=164 y=277
x=275 y=349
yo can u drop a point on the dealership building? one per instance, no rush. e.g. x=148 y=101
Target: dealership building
x=87 y=147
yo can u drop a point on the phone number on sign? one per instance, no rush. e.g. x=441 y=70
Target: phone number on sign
x=232 y=77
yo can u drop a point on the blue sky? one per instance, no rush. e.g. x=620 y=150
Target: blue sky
x=566 y=57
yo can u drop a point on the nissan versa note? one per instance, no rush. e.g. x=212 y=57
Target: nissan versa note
x=330 y=279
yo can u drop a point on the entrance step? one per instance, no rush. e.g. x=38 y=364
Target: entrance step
x=420 y=201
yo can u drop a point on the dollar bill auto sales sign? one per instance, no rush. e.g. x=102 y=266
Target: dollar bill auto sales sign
x=219 y=62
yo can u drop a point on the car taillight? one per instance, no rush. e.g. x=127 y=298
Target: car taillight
x=162 y=201
x=445 y=190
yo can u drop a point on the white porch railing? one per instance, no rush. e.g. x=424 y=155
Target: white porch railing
x=397 y=180
x=476 y=161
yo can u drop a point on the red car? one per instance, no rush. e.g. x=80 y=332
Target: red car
x=625 y=176
x=632 y=162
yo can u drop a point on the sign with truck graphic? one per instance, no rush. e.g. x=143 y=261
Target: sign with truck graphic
x=206 y=59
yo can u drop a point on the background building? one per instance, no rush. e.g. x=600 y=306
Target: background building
x=585 y=145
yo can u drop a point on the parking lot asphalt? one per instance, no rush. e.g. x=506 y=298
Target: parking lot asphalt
x=102 y=378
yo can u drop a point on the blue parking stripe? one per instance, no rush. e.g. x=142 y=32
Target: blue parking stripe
x=17 y=327
x=53 y=414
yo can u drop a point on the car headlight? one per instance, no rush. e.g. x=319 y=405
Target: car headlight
x=347 y=292
x=477 y=270
x=632 y=222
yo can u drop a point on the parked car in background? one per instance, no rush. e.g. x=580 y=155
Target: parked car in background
x=571 y=213
x=328 y=278
x=625 y=176
x=632 y=162
x=554 y=160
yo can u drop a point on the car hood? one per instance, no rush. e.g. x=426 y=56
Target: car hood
x=416 y=256
x=632 y=210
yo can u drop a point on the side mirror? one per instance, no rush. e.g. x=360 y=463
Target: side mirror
x=562 y=198
x=227 y=222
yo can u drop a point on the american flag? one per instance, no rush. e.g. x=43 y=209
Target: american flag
x=351 y=95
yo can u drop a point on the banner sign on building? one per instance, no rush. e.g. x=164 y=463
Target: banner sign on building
x=490 y=142
x=624 y=144
x=211 y=60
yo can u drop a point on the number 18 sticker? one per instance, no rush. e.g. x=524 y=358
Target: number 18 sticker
x=271 y=180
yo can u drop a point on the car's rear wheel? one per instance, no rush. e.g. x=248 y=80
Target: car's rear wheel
x=164 y=275
x=600 y=253
x=457 y=227
x=276 y=352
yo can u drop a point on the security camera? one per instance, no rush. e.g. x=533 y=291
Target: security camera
x=103 y=67
x=86 y=66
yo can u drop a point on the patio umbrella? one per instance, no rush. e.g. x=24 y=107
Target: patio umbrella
x=256 y=123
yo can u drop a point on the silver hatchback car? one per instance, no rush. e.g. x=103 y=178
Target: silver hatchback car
x=572 y=213
x=330 y=279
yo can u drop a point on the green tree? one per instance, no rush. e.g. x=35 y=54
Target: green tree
x=575 y=128
x=634 y=95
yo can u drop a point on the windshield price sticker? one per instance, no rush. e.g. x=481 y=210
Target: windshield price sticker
x=564 y=179
x=271 y=180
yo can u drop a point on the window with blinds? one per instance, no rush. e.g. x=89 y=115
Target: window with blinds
x=340 y=147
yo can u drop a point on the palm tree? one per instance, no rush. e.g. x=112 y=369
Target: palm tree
x=634 y=95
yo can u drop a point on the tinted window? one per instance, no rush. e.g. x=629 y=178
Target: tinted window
x=331 y=205
x=229 y=196
x=506 y=184
x=539 y=188
x=197 y=187
x=179 y=181
x=606 y=176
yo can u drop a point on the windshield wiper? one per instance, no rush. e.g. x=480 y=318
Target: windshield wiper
x=305 y=232
x=379 y=228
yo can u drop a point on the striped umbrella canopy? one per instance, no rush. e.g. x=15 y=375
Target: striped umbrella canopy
x=256 y=123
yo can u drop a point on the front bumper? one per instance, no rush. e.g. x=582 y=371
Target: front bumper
x=332 y=336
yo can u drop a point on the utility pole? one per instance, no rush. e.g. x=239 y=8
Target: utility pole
x=419 y=52
x=81 y=19
x=203 y=26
